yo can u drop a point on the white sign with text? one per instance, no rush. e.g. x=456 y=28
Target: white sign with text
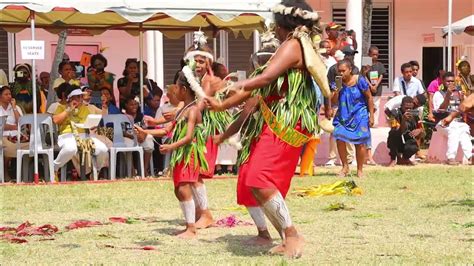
x=32 y=50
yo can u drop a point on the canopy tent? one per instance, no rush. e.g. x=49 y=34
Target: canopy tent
x=172 y=18
x=464 y=25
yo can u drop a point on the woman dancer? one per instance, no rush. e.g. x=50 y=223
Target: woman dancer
x=287 y=116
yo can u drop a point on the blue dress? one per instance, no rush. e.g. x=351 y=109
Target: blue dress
x=351 y=123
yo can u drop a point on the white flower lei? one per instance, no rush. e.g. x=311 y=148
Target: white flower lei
x=193 y=82
x=296 y=12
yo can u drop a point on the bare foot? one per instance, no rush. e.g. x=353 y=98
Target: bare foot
x=277 y=250
x=205 y=221
x=198 y=214
x=360 y=174
x=344 y=172
x=259 y=241
x=187 y=234
x=294 y=246
x=392 y=163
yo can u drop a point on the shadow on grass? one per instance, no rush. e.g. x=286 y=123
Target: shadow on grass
x=177 y=222
x=70 y=246
x=237 y=246
x=168 y=231
x=148 y=243
x=463 y=203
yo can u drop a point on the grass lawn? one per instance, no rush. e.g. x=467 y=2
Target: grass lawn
x=421 y=214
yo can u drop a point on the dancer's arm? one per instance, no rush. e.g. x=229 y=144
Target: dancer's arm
x=192 y=118
x=249 y=108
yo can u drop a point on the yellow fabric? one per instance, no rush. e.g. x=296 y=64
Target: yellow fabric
x=288 y=135
x=43 y=102
x=336 y=188
x=79 y=117
x=306 y=165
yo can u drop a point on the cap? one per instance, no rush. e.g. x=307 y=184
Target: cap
x=333 y=26
x=75 y=92
x=347 y=50
x=339 y=55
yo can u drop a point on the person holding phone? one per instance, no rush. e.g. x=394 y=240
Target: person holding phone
x=446 y=103
x=98 y=78
x=354 y=116
x=402 y=138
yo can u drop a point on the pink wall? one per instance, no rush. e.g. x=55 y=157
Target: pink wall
x=419 y=17
x=119 y=46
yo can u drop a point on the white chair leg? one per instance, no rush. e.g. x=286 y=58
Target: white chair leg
x=19 y=160
x=152 y=166
x=113 y=157
x=142 y=167
x=64 y=173
x=51 y=167
x=94 y=168
x=2 y=172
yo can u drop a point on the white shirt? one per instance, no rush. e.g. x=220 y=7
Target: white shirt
x=52 y=108
x=394 y=103
x=10 y=118
x=413 y=87
x=164 y=108
x=329 y=61
x=438 y=99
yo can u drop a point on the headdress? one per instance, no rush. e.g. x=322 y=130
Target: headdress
x=199 y=40
x=463 y=58
x=296 y=12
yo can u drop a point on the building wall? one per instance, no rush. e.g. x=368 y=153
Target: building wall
x=117 y=45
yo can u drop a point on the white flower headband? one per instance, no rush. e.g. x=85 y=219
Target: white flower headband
x=296 y=12
x=193 y=82
x=199 y=40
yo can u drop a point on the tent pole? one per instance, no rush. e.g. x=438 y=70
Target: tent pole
x=35 y=115
x=444 y=53
x=450 y=34
x=214 y=43
x=142 y=103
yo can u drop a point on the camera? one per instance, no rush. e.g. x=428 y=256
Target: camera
x=414 y=112
x=19 y=74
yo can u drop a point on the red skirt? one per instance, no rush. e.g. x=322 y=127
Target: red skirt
x=272 y=162
x=211 y=157
x=185 y=173
x=244 y=193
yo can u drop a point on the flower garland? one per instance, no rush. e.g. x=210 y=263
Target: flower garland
x=193 y=82
x=296 y=12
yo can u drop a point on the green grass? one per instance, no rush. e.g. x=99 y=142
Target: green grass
x=413 y=215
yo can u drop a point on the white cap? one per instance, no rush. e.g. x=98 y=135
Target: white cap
x=75 y=92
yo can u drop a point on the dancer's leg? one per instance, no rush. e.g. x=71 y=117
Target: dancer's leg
x=258 y=217
x=184 y=194
x=341 y=148
x=200 y=195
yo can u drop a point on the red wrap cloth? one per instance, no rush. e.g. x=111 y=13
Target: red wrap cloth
x=185 y=173
x=211 y=157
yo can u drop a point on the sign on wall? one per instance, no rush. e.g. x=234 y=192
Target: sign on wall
x=32 y=50
x=428 y=38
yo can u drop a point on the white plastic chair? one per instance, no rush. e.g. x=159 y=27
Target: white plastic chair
x=3 y=120
x=42 y=147
x=119 y=145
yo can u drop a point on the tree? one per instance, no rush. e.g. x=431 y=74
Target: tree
x=366 y=25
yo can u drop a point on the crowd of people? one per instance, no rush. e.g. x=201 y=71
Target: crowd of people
x=270 y=117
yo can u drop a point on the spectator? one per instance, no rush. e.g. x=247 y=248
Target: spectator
x=61 y=93
x=67 y=73
x=219 y=70
x=45 y=80
x=151 y=86
x=86 y=99
x=464 y=79
x=332 y=73
x=74 y=111
x=432 y=89
x=376 y=72
x=447 y=102
x=406 y=129
x=22 y=89
x=145 y=140
x=354 y=116
x=109 y=99
x=98 y=78
x=407 y=84
x=325 y=48
x=152 y=103
x=415 y=67
x=129 y=84
x=12 y=112
x=338 y=39
x=396 y=102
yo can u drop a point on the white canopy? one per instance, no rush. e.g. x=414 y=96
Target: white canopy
x=173 y=18
x=464 y=25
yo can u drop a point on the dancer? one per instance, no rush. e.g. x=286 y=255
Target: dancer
x=188 y=146
x=287 y=116
x=213 y=123
x=244 y=193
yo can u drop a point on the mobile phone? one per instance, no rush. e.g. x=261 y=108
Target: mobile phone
x=19 y=74
x=338 y=82
x=414 y=112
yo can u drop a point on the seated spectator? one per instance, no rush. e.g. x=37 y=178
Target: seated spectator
x=432 y=89
x=74 y=111
x=44 y=82
x=167 y=111
x=152 y=103
x=12 y=112
x=396 y=102
x=107 y=95
x=61 y=93
x=446 y=102
x=415 y=67
x=407 y=84
x=22 y=89
x=406 y=129
x=86 y=99
x=129 y=84
x=145 y=140
x=465 y=80
x=98 y=78
x=67 y=73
